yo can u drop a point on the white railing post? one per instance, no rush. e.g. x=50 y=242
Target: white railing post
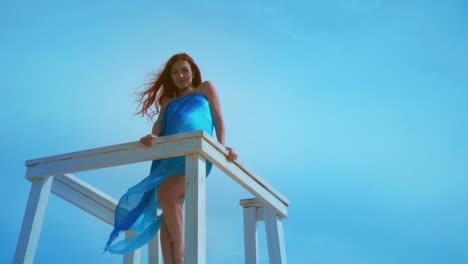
x=275 y=236
x=250 y=235
x=255 y=210
x=195 y=209
x=32 y=221
x=154 y=247
x=154 y=252
x=132 y=257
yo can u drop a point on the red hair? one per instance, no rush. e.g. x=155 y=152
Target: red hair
x=163 y=86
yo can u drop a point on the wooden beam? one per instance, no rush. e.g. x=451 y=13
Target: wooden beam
x=197 y=146
x=114 y=148
x=164 y=147
x=114 y=158
x=154 y=250
x=244 y=179
x=275 y=237
x=134 y=256
x=249 y=172
x=32 y=221
x=195 y=209
x=85 y=196
x=256 y=203
x=250 y=235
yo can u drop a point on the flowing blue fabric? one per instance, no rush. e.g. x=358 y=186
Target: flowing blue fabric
x=137 y=209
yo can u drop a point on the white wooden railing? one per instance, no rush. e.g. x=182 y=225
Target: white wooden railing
x=52 y=175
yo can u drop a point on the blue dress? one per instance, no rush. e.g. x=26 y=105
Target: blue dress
x=137 y=209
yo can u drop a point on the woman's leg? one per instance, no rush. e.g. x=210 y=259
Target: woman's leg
x=170 y=195
x=166 y=244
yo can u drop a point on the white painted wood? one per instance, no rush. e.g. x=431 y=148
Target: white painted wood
x=154 y=250
x=88 y=190
x=195 y=209
x=37 y=165
x=250 y=235
x=85 y=198
x=135 y=152
x=270 y=205
x=132 y=257
x=275 y=237
x=32 y=221
x=245 y=180
x=115 y=158
x=251 y=202
x=261 y=214
x=115 y=148
x=254 y=202
x=209 y=139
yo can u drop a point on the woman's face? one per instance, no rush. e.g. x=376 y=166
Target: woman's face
x=181 y=74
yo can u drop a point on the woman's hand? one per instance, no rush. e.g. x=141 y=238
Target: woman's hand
x=146 y=140
x=231 y=154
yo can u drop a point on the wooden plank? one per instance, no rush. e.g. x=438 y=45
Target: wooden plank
x=195 y=209
x=261 y=214
x=275 y=237
x=254 y=176
x=254 y=202
x=97 y=203
x=250 y=235
x=89 y=190
x=109 y=159
x=251 y=202
x=85 y=199
x=138 y=145
x=73 y=162
x=132 y=257
x=32 y=221
x=154 y=250
x=245 y=180
x=114 y=148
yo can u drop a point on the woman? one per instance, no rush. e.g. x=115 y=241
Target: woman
x=184 y=104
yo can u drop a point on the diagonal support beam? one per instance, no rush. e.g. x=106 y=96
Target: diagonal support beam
x=85 y=196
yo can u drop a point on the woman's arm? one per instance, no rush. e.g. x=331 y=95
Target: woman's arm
x=156 y=130
x=219 y=127
x=218 y=120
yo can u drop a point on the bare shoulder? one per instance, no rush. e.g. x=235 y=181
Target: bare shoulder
x=208 y=89
x=209 y=85
x=164 y=102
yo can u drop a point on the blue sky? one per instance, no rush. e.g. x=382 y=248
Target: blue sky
x=355 y=110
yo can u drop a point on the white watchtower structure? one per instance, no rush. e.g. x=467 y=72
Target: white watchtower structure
x=53 y=175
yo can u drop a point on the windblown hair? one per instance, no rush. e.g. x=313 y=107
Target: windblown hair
x=163 y=87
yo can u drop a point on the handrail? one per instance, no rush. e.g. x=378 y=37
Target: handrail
x=195 y=142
